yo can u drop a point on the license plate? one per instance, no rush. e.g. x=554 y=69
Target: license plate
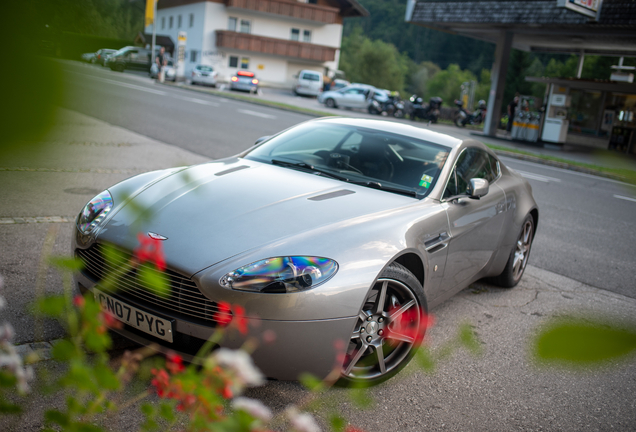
x=152 y=324
x=205 y=74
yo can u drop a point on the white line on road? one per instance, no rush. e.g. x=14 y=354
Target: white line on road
x=625 y=198
x=199 y=101
x=511 y=161
x=257 y=114
x=146 y=89
x=541 y=178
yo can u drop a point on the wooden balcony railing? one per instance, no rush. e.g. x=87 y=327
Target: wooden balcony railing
x=289 y=8
x=280 y=47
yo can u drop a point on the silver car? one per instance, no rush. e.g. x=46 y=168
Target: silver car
x=332 y=239
x=204 y=75
x=352 y=96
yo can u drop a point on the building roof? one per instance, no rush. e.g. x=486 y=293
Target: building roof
x=537 y=25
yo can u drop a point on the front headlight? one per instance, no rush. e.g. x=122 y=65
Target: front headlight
x=94 y=212
x=281 y=274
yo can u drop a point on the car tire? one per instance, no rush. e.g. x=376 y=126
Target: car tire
x=374 y=354
x=331 y=103
x=119 y=67
x=518 y=258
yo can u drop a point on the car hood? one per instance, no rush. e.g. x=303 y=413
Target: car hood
x=215 y=211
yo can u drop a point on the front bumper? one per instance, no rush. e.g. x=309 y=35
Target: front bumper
x=285 y=349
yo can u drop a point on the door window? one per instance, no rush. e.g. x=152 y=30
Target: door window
x=471 y=163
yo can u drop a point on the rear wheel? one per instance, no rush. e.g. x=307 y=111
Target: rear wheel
x=518 y=259
x=459 y=121
x=390 y=326
x=330 y=103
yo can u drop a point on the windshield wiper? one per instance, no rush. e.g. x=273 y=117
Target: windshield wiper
x=310 y=168
x=380 y=186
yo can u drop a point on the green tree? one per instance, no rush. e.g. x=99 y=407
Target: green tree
x=447 y=83
x=420 y=76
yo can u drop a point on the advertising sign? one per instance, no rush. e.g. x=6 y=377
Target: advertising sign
x=589 y=8
x=181 y=54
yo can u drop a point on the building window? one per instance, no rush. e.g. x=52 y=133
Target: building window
x=191 y=20
x=193 y=56
x=231 y=23
x=245 y=26
x=312 y=1
x=245 y=63
x=179 y=21
x=170 y=22
x=307 y=36
x=233 y=61
x=163 y=23
x=295 y=34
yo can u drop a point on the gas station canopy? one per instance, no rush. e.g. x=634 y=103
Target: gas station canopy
x=599 y=27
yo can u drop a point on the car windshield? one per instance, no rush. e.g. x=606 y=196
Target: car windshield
x=369 y=157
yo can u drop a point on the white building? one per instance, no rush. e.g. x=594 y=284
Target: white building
x=273 y=38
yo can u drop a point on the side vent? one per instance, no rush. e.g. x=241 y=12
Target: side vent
x=330 y=195
x=231 y=170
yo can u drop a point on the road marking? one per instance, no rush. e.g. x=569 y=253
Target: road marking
x=257 y=114
x=544 y=179
x=136 y=87
x=195 y=100
x=625 y=198
x=511 y=161
x=38 y=219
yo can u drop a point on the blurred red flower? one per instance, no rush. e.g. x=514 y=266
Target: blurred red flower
x=150 y=250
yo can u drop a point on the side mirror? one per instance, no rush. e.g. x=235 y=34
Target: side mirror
x=477 y=188
x=261 y=139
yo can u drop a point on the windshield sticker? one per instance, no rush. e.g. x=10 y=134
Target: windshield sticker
x=426 y=181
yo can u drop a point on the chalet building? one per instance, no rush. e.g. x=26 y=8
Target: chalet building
x=273 y=38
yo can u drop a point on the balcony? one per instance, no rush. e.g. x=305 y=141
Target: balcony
x=277 y=47
x=289 y=9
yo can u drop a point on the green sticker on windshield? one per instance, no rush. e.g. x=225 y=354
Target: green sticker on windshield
x=426 y=181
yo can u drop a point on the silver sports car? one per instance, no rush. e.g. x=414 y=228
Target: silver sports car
x=332 y=239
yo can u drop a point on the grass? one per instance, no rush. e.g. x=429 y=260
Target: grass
x=622 y=174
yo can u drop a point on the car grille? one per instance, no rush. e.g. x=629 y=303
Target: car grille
x=184 y=298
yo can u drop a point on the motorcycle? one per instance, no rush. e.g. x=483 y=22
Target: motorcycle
x=428 y=112
x=463 y=117
x=381 y=103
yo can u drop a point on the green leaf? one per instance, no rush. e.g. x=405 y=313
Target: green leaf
x=468 y=338
x=424 y=359
x=311 y=382
x=52 y=306
x=147 y=408
x=63 y=350
x=87 y=427
x=7 y=379
x=154 y=280
x=9 y=408
x=67 y=263
x=583 y=342
x=166 y=410
x=57 y=417
x=106 y=378
x=338 y=423
x=361 y=398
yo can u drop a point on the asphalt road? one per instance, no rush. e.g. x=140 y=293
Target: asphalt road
x=586 y=230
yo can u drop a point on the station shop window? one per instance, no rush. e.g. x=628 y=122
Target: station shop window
x=584 y=111
x=233 y=61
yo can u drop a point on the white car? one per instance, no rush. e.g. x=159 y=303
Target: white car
x=308 y=83
x=353 y=96
x=204 y=74
x=170 y=73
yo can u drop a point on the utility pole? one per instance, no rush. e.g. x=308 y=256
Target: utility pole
x=154 y=32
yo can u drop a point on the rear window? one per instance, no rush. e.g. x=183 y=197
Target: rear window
x=311 y=76
x=204 y=68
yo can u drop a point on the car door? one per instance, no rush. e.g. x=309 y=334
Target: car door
x=353 y=98
x=475 y=224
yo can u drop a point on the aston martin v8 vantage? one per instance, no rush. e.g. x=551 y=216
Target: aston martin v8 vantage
x=327 y=235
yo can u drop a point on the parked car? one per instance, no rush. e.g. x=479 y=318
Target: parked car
x=338 y=83
x=204 y=74
x=102 y=54
x=336 y=229
x=308 y=83
x=130 y=57
x=245 y=81
x=353 y=96
x=88 y=57
x=170 y=73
